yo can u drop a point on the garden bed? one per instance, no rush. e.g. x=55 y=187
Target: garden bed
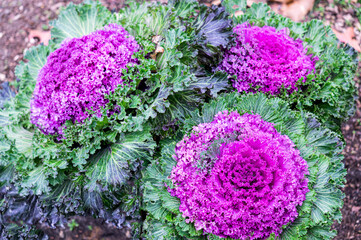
x=33 y=16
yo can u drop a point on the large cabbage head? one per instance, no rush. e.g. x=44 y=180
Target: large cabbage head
x=238 y=177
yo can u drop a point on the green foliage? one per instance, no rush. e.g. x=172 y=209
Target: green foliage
x=72 y=225
x=330 y=93
x=6 y=93
x=94 y=169
x=111 y=166
x=105 y=167
x=79 y=20
x=213 y=33
x=320 y=147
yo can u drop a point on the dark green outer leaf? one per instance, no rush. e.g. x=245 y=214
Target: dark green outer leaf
x=6 y=93
x=213 y=32
x=112 y=165
x=210 y=84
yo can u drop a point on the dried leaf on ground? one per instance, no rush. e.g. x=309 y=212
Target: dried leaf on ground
x=355 y=209
x=238 y=13
x=216 y=2
x=210 y=3
x=348 y=37
x=158 y=49
x=282 y=1
x=250 y=2
x=43 y=36
x=296 y=10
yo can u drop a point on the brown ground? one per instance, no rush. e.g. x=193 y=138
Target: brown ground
x=87 y=228
x=350 y=228
x=19 y=18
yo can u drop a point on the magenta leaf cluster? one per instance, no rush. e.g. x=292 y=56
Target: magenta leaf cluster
x=264 y=59
x=254 y=186
x=78 y=75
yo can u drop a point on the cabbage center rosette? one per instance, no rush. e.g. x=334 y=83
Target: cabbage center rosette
x=238 y=177
x=266 y=60
x=78 y=75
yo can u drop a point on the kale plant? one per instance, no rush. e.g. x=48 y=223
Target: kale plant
x=279 y=178
x=152 y=118
x=80 y=129
x=302 y=63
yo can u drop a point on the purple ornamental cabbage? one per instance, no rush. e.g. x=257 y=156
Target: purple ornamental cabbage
x=78 y=75
x=266 y=59
x=253 y=187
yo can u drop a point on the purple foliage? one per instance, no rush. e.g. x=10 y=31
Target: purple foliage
x=78 y=75
x=266 y=59
x=254 y=186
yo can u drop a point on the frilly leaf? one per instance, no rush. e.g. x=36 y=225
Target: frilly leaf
x=78 y=20
x=155 y=230
x=328 y=198
x=6 y=93
x=183 y=8
x=210 y=84
x=37 y=181
x=171 y=55
x=234 y=5
x=22 y=138
x=160 y=103
x=111 y=165
x=181 y=105
x=36 y=60
x=213 y=31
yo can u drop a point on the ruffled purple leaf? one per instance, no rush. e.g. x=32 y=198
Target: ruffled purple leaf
x=252 y=185
x=267 y=60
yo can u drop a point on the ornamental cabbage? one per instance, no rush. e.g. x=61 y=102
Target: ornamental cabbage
x=245 y=167
x=111 y=132
x=266 y=60
x=302 y=63
x=78 y=75
x=90 y=105
x=253 y=181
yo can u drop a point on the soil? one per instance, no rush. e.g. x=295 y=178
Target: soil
x=20 y=19
x=350 y=227
x=87 y=228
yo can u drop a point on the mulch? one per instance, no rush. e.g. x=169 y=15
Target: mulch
x=19 y=19
x=86 y=228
